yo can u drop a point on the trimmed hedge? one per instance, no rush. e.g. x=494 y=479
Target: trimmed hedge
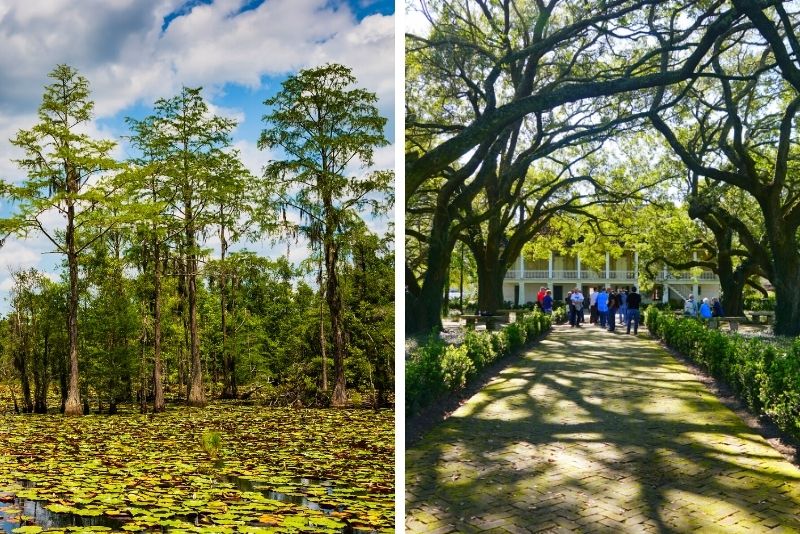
x=436 y=368
x=763 y=375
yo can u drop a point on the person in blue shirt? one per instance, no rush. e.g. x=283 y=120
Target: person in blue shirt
x=547 y=302
x=602 y=307
x=705 y=310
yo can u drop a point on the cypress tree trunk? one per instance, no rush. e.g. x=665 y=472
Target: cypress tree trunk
x=73 y=402
x=197 y=396
x=159 y=404
x=334 y=300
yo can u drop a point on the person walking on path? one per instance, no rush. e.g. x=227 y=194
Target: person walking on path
x=547 y=302
x=623 y=306
x=690 y=307
x=613 y=306
x=577 y=303
x=602 y=307
x=593 y=306
x=634 y=301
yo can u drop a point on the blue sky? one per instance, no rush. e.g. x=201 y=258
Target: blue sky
x=134 y=52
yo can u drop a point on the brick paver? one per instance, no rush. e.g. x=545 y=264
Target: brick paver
x=598 y=432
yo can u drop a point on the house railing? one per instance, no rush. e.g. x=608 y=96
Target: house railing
x=585 y=274
x=570 y=274
x=684 y=276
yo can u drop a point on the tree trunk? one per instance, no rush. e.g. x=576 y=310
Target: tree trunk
x=230 y=387
x=197 y=396
x=20 y=362
x=322 y=341
x=490 y=284
x=427 y=305
x=41 y=377
x=787 y=280
x=72 y=406
x=334 y=299
x=783 y=243
x=732 y=293
x=159 y=405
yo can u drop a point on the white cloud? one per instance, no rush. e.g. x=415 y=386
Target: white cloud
x=123 y=52
x=120 y=48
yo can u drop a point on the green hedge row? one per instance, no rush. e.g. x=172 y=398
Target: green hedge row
x=764 y=375
x=436 y=368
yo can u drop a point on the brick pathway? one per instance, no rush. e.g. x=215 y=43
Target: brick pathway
x=597 y=432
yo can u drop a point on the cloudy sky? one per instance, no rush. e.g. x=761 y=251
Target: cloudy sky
x=136 y=51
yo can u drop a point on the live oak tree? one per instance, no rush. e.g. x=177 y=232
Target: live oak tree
x=746 y=113
x=326 y=130
x=492 y=78
x=67 y=175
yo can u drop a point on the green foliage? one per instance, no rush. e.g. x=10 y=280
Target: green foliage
x=211 y=443
x=424 y=377
x=560 y=315
x=156 y=471
x=764 y=374
x=324 y=127
x=436 y=368
x=759 y=303
x=479 y=348
x=456 y=367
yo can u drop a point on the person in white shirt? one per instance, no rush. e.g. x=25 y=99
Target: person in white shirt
x=690 y=307
x=577 y=302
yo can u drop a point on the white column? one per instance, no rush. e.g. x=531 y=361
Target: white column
x=608 y=266
x=521 y=267
x=550 y=266
x=579 y=266
x=665 y=296
x=636 y=269
x=695 y=286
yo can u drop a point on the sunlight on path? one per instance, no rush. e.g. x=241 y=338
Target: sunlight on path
x=597 y=432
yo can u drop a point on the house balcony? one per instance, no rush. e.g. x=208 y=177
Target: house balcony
x=570 y=274
x=684 y=276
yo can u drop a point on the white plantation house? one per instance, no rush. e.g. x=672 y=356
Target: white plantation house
x=562 y=273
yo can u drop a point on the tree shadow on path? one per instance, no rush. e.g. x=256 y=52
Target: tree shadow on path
x=597 y=432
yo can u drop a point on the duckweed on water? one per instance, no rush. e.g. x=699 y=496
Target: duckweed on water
x=279 y=470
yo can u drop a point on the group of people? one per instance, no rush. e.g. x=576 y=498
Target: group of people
x=706 y=310
x=605 y=306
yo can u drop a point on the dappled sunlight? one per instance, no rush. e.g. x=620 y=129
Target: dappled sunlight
x=511 y=408
x=577 y=438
